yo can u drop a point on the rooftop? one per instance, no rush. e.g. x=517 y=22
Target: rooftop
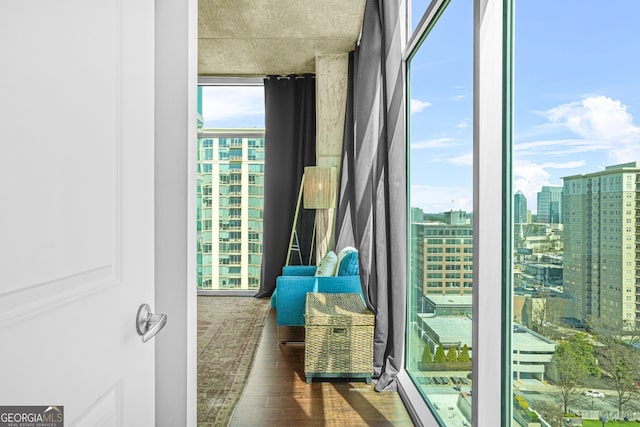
x=450 y=300
x=451 y=329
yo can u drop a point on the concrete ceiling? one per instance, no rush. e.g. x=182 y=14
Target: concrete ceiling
x=264 y=37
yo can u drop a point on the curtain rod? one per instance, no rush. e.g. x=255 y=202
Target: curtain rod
x=295 y=76
x=230 y=81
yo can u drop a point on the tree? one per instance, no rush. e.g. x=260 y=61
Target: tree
x=427 y=357
x=452 y=355
x=551 y=413
x=543 y=314
x=440 y=357
x=619 y=361
x=574 y=361
x=464 y=354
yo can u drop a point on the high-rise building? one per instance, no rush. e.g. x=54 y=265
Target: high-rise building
x=417 y=215
x=417 y=260
x=229 y=208
x=447 y=254
x=519 y=208
x=550 y=205
x=602 y=243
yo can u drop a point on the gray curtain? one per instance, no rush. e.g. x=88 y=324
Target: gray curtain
x=371 y=212
x=290 y=145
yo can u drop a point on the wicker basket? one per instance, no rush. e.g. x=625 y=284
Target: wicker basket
x=339 y=336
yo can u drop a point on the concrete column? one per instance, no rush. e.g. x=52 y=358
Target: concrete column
x=331 y=99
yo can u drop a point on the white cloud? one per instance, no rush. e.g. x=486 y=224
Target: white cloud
x=566 y=165
x=458 y=98
x=529 y=177
x=418 y=105
x=465 y=159
x=463 y=124
x=532 y=145
x=441 y=199
x=559 y=147
x=431 y=143
x=602 y=123
x=594 y=129
x=229 y=102
x=594 y=118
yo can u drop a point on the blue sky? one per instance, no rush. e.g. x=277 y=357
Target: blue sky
x=576 y=90
x=441 y=119
x=576 y=94
x=233 y=106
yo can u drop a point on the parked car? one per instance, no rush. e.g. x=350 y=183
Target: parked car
x=593 y=393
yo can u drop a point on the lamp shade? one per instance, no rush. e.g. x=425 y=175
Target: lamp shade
x=319 y=190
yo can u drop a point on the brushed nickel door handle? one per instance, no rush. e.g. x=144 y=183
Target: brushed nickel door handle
x=149 y=324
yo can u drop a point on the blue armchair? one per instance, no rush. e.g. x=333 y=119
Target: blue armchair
x=292 y=287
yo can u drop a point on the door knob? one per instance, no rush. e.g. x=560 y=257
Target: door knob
x=149 y=324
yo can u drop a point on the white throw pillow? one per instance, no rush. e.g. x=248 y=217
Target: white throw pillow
x=328 y=264
x=344 y=252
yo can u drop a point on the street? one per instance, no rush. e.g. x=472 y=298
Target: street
x=540 y=395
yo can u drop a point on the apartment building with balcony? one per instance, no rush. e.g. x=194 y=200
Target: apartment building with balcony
x=229 y=208
x=601 y=217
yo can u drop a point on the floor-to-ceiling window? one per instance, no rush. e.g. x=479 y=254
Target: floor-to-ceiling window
x=566 y=284
x=230 y=186
x=457 y=352
x=576 y=212
x=440 y=115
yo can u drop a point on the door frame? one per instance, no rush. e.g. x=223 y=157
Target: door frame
x=176 y=81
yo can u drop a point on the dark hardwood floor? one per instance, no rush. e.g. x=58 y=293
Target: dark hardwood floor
x=277 y=394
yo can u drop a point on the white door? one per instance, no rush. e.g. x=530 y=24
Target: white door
x=76 y=207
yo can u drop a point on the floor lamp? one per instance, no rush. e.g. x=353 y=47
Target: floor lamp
x=318 y=186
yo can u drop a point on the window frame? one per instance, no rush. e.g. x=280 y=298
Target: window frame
x=227 y=140
x=492 y=219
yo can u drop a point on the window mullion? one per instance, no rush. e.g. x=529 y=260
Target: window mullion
x=489 y=237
